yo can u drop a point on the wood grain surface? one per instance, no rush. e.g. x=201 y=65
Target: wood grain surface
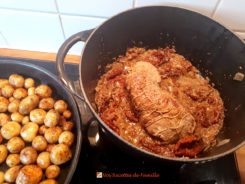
x=76 y=59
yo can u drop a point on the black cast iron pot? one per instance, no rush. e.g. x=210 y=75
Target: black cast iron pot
x=207 y=44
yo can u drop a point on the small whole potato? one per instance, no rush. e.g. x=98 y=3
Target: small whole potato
x=49 y=181
x=52 y=172
x=1 y=177
x=10 y=129
x=67 y=114
x=43 y=160
x=14 y=106
x=29 y=131
x=29 y=174
x=67 y=125
x=25 y=120
x=52 y=118
x=20 y=93
x=37 y=116
x=29 y=82
x=31 y=91
x=28 y=155
x=3 y=82
x=43 y=129
x=43 y=91
x=11 y=174
x=4 y=118
x=3 y=153
x=60 y=106
x=60 y=154
x=15 y=145
x=4 y=103
x=28 y=104
x=11 y=99
x=46 y=103
x=7 y=91
x=66 y=138
x=17 y=117
x=52 y=134
x=16 y=80
x=13 y=160
x=39 y=143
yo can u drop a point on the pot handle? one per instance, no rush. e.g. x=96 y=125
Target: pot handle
x=63 y=50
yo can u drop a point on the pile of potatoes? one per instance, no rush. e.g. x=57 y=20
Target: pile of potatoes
x=36 y=133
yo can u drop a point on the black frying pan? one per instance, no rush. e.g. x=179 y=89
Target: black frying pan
x=207 y=44
x=42 y=76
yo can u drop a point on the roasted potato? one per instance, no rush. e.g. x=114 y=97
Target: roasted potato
x=13 y=160
x=25 y=120
x=20 y=93
x=67 y=125
x=46 y=103
x=28 y=104
x=60 y=154
x=49 y=181
x=31 y=91
x=3 y=153
x=4 y=118
x=15 y=145
x=16 y=80
x=28 y=155
x=60 y=106
x=1 y=177
x=29 y=174
x=14 y=106
x=66 y=138
x=10 y=129
x=43 y=160
x=43 y=129
x=29 y=131
x=37 y=116
x=4 y=103
x=67 y=114
x=39 y=143
x=52 y=134
x=52 y=118
x=3 y=82
x=43 y=91
x=11 y=174
x=17 y=117
x=11 y=99
x=52 y=172
x=29 y=82
x=7 y=91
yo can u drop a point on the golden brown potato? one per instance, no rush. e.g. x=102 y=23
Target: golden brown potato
x=60 y=154
x=10 y=129
x=20 y=93
x=3 y=153
x=17 y=117
x=11 y=174
x=1 y=138
x=46 y=103
x=16 y=80
x=3 y=82
x=49 y=181
x=4 y=118
x=52 y=134
x=11 y=99
x=60 y=106
x=50 y=147
x=15 y=145
x=13 y=160
x=43 y=91
x=52 y=118
x=37 y=116
x=29 y=131
x=28 y=104
x=67 y=114
x=7 y=91
x=4 y=103
x=67 y=125
x=31 y=91
x=39 y=143
x=1 y=177
x=43 y=129
x=29 y=174
x=28 y=155
x=25 y=120
x=14 y=106
x=29 y=82
x=52 y=172
x=43 y=160
x=66 y=138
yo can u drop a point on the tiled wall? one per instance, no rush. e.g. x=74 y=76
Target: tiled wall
x=43 y=25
